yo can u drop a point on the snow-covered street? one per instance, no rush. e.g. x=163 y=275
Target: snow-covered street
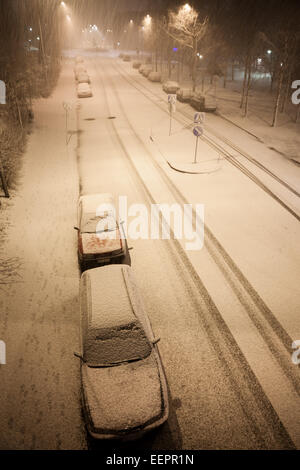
x=226 y=314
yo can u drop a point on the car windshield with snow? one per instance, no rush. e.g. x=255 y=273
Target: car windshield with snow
x=123 y=343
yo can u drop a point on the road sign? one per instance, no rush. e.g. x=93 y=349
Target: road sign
x=199 y=118
x=67 y=106
x=198 y=131
x=172 y=98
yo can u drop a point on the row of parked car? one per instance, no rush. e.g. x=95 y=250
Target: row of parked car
x=82 y=79
x=198 y=100
x=124 y=388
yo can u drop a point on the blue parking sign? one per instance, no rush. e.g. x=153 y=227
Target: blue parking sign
x=198 y=131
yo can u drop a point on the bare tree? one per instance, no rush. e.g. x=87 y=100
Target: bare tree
x=185 y=27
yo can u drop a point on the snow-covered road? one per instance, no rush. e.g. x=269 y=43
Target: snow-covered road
x=225 y=326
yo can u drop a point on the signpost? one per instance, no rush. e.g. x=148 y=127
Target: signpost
x=172 y=108
x=199 y=118
x=67 y=108
x=198 y=132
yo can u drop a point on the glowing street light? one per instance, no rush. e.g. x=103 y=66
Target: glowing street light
x=148 y=20
x=131 y=21
x=63 y=4
x=187 y=7
x=269 y=51
x=68 y=18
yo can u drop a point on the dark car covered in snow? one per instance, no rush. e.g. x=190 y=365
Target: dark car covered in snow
x=99 y=237
x=124 y=389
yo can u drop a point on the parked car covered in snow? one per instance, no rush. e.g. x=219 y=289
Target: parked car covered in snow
x=210 y=103
x=79 y=59
x=79 y=69
x=99 y=237
x=203 y=102
x=147 y=70
x=136 y=64
x=126 y=58
x=170 y=87
x=198 y=101
x=84 y=90
x=154 y=76
x=83 y=78
x=144 y=67
x=184 y=94
x=124 y=389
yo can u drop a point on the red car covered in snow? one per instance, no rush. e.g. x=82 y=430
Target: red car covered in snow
x=99 y=236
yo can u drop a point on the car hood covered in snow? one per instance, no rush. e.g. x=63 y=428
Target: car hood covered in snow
x=124 y=397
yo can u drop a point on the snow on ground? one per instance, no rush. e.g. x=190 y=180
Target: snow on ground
x=40 y=399
x=284 y=139
x=236 y=225
x=216 y=401
x=107 y=148
x=257 y=232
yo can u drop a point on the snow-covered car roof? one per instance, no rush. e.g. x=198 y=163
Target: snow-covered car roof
x=79 y=67
x=82 y=75
x=110 y=302
x=83 y=87
x=112 y=330
x=170 y=83
x=91 y=202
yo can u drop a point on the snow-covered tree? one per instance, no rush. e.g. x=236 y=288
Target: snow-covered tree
x=186 y=28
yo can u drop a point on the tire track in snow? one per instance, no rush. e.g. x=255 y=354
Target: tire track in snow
x=224 y=337
x=267 y=313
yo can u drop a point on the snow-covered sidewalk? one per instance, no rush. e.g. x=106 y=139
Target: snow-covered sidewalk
x=39 y=321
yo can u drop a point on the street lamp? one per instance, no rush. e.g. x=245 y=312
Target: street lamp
x=187 y=7
x=148 y=20
x=269 y=51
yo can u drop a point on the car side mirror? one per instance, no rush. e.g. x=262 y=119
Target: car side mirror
x=155 y=341
x=76 y=228
x=76 y=354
